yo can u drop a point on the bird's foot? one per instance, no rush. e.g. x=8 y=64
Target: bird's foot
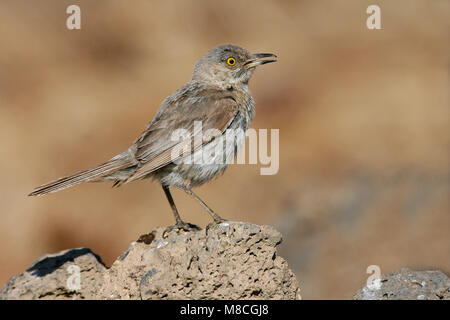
x=216 y=221
x=181 y=225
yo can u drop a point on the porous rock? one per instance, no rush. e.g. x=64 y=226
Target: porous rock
x=69 y=274
x=406 y=284
x=231 y=260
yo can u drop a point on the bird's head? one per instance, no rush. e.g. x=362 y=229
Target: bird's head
x=229 y=65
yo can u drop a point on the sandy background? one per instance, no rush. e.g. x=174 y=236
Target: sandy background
x=363 y=116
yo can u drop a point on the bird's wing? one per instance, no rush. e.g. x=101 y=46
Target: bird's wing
x=156 y=148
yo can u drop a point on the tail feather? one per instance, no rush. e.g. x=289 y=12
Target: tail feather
x=92 y=174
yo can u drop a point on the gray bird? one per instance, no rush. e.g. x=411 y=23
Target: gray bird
x=217 y=97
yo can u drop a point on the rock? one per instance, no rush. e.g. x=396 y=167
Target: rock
x=406 y=284
x=231 y=260
x=55 y=277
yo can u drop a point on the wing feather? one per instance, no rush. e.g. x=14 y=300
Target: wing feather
x=155 y=148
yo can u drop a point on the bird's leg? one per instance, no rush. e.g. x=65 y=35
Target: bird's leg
x=172 y=205
x=215 y=216
x=180 y=224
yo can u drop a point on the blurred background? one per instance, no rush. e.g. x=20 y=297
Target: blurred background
x=363 y=116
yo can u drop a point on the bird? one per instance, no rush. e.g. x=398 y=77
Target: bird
x=217 y=99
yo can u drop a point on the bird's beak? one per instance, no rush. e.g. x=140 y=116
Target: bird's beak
x=257 y=59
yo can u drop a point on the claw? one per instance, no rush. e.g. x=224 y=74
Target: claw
x=185 y=226
x=215 y=223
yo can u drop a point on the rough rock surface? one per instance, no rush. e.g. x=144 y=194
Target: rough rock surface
x=50 y=277
x=231 y=260
x=406 y=284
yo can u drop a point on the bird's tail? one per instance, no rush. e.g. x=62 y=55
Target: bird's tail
x=93 y=174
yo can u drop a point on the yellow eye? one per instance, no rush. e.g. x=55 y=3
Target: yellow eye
x=231 y=61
